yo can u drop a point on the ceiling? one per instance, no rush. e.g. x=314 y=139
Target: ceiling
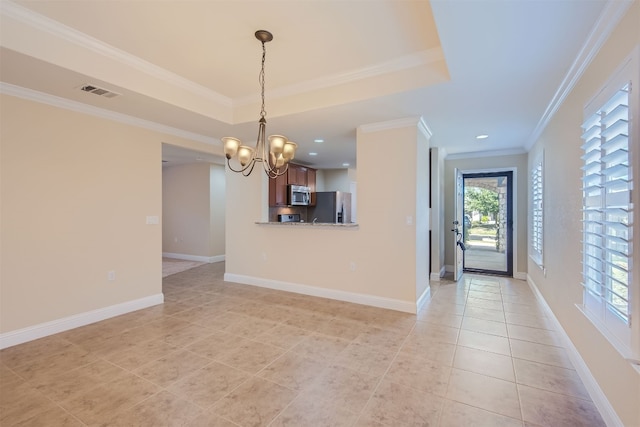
x=468 y=67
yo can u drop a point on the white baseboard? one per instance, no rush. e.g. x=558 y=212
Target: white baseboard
x=209 y=259
x=449 y=268
x=422 y=300
x=437 y=276
x=30 y=333
x=520 y=275
x=598 y=397
x=372 y=300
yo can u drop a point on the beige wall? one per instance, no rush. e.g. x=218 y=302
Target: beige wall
x=217 y=210
x=336 y=180
x=185 y=209
x=382 y=248
x=562 y=226
x=320 y=180
x=76 y=191
x=193 y=209
x=520 y=200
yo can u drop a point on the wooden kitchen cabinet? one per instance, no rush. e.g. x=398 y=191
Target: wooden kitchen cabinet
x=296 y=175
x=311 y=179
x=311 y=183
x=278 y=191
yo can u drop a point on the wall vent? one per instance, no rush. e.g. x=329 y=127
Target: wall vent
x=99 y=91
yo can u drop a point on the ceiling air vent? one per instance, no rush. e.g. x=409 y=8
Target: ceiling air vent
x=99 y=91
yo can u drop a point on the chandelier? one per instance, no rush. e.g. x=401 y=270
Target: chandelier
x=274 y=155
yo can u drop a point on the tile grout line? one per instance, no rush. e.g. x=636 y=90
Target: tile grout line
x=513 y=366
x=287 y=351
x=379 y=382
x=521 y=420
x=298 y=393
x=455 y=351
x=56 y=404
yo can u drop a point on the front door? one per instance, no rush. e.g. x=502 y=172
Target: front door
x=457 y=225
x=488 y=222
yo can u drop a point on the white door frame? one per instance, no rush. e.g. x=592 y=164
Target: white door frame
x=458 y=214
x=514 y=209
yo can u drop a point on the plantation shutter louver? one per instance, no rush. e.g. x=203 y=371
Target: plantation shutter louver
x=537 y=220
x=607 y=210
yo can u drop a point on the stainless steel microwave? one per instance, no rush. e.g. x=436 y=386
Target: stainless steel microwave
x=298 y=195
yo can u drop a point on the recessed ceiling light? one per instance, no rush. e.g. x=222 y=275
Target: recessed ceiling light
x=313 y=154
x=318 y=141
x=483 y=136
x=345 y=164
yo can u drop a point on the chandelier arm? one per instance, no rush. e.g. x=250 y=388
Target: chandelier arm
x=261 y=144
x=275 y=172
x=241 y=169
x=252 y=164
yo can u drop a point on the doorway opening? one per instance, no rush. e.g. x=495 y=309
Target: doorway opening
x=488 y=223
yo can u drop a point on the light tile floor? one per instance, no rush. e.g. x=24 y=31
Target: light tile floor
x=481 y=353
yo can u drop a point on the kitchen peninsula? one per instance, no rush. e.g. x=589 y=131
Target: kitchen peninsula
x=293 y=200
x=310 y=224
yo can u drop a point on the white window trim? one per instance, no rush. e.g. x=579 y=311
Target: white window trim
x=629 y=70
x=537 y=254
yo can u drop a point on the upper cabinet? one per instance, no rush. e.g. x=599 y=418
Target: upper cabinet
x=278 y=191
x=298 y=175
x=311 y=179
x=295 y=175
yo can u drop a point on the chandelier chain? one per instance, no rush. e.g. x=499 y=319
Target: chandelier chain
x=261 y=78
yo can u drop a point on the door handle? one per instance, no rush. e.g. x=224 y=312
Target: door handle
x=459 y=241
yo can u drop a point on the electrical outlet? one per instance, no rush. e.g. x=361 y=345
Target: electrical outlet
x=352 y=266
x=264 y=256
x=111 y=276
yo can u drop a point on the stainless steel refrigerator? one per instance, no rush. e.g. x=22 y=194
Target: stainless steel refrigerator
x=332 y=207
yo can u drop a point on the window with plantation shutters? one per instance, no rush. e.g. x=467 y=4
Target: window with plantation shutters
x=608 y=213
x=536 y=212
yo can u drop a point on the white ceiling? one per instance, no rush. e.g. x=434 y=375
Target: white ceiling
x=468 y=67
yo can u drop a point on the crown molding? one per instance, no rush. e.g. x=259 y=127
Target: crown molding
x=56 y=101
x=491 y=153
x=424 y=128
x=396 y=124
x=398 y=64
x=61 y=31
x=609 y=18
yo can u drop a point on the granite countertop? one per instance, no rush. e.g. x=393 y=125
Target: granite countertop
x=308 y=224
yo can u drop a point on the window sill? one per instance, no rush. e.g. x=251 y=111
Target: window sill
x=621 y=348
x=538 y=261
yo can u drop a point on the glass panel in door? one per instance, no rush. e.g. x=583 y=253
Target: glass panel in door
x=487 y=223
